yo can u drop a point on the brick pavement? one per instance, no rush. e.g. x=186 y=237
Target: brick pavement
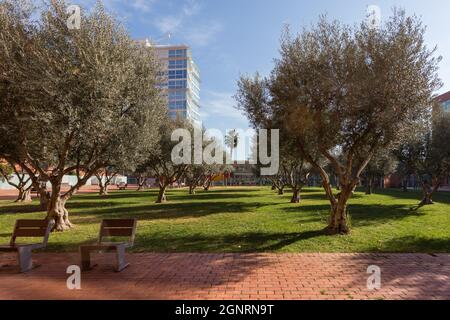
x=233 y=276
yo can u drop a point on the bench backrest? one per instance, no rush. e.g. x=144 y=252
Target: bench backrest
x=118 y=228
x=32 y=228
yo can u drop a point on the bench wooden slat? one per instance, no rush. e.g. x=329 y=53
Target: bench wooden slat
x=119 y=223
x=30 y=232
x=31 y=223
x=117 y=232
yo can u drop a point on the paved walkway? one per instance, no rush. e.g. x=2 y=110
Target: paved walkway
x=233 y=276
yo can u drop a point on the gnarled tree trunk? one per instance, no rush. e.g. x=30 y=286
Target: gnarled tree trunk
x=162 y=193
x=104 y=189
x=141 y=183
x=102 y=185
x=428 y=192
x=57 y=211
x=24 y=195
x=44 y=197
x=295 y=195
x=280 y=190
x=338 y=223
x=369 y=186
x=207 y=184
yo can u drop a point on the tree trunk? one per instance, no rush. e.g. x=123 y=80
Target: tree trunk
x=274 y=187
x=428 y=192
x=141 y=183
x=207 y=184
x=369 y=186
x=280 y=191
x=295 y=195
x=57 y=210
x=162 y=194
x=338 y=223
x=405 y=185
x=24 y=195
x=104 y=189
x=427 y=199
x=103 y=186
x=192 y=189
x=44 y=197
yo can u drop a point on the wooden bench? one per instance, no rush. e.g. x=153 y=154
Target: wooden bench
x=111 y=228
x=28 y=228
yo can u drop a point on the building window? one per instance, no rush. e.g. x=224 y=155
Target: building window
x=174 y=105
x=177 y=74
x=177 y=95
x=178 y=53
x=177 y=84
x=177 y=64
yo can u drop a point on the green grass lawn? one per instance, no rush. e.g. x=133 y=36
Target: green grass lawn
x=251 y=220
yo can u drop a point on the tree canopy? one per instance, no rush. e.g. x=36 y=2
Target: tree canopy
x=345 y=93
x=73 y=100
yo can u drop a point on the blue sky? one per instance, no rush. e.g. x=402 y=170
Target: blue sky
x=234 y=37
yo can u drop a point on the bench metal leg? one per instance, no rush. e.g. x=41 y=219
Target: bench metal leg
x=25 y=261
x=85 y=259
x=120 y=258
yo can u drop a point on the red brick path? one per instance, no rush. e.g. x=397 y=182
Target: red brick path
x=233 y=276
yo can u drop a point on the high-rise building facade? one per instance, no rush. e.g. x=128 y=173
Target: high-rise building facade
x=182 y=81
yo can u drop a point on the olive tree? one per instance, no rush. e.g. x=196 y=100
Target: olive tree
x=382 y=164
x=160 y=164
x=16 y=177
x=435 y=168
x=72 y=100
x=426 y=155
x=105 y=177
x=345 y=93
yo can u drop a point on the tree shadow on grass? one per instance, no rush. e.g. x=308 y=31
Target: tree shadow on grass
x=361 y=214
x=209 y=196
x=440 y=196
x=169 y=210
x=251 y=242
x=93 y=204
x=117 y=194
x=173 y=193
x=20 y=208
x=416 y=244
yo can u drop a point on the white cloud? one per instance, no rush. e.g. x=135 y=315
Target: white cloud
x=202 y=36
x=142 y=5
x=191 y=7
x=168 y=24
x=219 y=105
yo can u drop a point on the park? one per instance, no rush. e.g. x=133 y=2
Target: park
x=251 y=219
x=111 y=187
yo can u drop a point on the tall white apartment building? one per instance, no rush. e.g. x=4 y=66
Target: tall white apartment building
x=182 y=81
